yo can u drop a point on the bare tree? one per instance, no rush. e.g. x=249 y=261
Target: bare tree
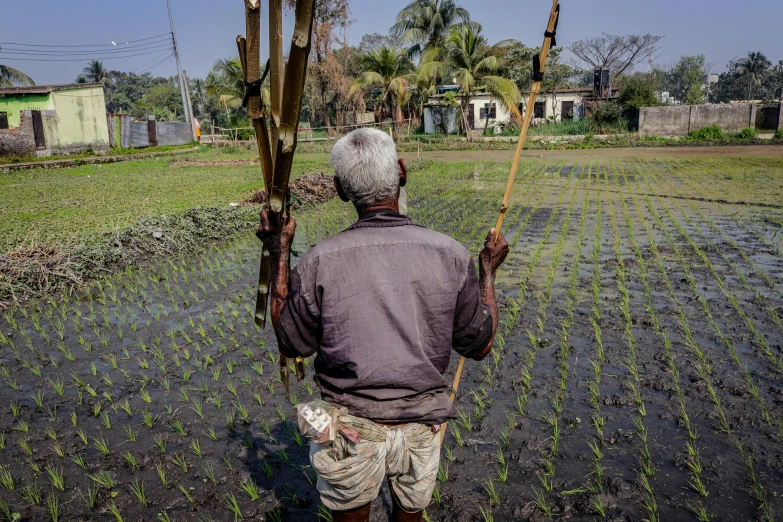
x=618 y=53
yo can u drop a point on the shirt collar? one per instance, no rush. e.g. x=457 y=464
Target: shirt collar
x=381 y=218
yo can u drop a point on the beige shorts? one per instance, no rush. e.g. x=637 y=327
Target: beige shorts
x=350 y=474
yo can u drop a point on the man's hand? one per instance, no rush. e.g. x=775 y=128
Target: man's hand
x=273 y=236
x=494 y=253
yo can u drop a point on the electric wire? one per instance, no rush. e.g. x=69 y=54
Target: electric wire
x=142 y=66
x=63 y=54
x=86 y=45
x=158 y=64
x=4 y=57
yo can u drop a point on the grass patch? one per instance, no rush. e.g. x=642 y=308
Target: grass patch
x=118 y=151
x=46 y=206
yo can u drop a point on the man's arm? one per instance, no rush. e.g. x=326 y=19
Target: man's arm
x=301 y=340
x=490 y=259
x=476 y=319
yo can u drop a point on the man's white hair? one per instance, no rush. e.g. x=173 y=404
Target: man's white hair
x=365 y=162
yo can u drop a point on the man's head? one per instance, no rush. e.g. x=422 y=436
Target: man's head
x=367 y=171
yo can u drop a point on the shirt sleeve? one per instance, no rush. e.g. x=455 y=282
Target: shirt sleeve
x=473 y=323
x=298 y=331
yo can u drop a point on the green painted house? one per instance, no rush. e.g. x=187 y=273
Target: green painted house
x=53 y=119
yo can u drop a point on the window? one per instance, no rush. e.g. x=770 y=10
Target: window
x=493 y=111
x=539 y=110
x=3 y=120
x=567 y=110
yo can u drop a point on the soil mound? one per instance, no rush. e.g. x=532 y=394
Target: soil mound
x=312 y=188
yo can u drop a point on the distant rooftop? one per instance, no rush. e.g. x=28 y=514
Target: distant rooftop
x=46 y=89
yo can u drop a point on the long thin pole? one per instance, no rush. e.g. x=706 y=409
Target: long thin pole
x=529 y=110
x=190 y=104
x=179 y=65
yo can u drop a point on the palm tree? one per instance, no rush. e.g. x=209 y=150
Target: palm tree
x=425 y=24
x=755 y=66
x=227 y=82
x=10 y=77
x=475 y=65
x=389 y=69
x=95 y=72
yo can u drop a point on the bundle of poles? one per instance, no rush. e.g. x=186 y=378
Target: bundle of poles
x=276 y=139
x=539 y=63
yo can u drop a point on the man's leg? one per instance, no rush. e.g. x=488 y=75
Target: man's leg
x=360 y=514
x=399 y=515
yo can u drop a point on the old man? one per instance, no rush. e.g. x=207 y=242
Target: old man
x=382 y=304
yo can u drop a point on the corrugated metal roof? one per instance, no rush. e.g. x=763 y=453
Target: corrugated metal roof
x=46 y=89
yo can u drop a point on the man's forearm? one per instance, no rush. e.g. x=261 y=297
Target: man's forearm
x=487 y=292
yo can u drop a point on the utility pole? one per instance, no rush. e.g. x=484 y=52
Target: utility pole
x=190 y=104
x=183 y=92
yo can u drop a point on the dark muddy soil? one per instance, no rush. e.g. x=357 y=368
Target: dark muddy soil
x=637 y=375
x=311 y=188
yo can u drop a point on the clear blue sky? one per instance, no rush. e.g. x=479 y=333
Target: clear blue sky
x=206 y=29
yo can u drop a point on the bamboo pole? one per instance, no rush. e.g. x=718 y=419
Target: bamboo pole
x=275 y=67
x=534 y=92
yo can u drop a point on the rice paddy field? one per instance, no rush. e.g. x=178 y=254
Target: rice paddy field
x=637 y=374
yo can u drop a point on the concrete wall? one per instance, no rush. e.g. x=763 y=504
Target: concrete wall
x=14 y=105
x=679 y=121
x=18 y=140
x=664 y=121
x=174 y=133
x=79 y=122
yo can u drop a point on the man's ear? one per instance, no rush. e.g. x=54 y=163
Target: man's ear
x=340 y=191
x=403 y=172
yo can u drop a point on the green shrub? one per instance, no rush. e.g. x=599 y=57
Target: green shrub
x=748 y=133
x=711 y=133
x=779 y=135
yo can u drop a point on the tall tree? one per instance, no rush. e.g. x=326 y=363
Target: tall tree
x=614 y=52
x=755 y=68
x=95 y=72
x=10 y=76
x=389 y=69
x=325 y=73
x=684 y=80
x=475 y=65
x=226 y=82
x=425 y=24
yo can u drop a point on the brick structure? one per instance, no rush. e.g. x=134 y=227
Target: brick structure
x=19 y=141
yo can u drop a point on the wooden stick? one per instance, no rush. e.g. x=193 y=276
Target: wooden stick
x=534 y=91
x=275 y=67
x=295 y=73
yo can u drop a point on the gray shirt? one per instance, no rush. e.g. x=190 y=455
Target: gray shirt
x=383 y=303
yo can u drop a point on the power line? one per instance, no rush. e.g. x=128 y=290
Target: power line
x=85 y=45
x=149 y=62
x=63 y=54
x=150 y=69
x=73 y=59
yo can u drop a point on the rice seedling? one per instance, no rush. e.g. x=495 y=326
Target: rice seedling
x=137 y=488
x=6 y=480
x=56 y=477
x=179 y=460
x=31 y=494
x=103 y=478
x=54 y=507
x=233 y=506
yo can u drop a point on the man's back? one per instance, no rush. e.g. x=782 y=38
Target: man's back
x=384 y=302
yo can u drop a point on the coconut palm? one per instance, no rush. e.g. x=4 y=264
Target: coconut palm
x=227 y=82
x=10 y=77
x=388 y=69
x=425 y=24
x=95 y=72
x=755 y=67
x=474 y=65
